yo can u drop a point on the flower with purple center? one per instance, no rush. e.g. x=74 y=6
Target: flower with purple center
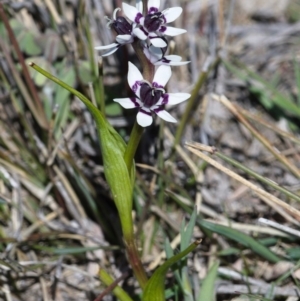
x=150 y=98
x=126 y=33
x=154 y=23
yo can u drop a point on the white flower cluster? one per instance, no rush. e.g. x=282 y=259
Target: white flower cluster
x=150 y=29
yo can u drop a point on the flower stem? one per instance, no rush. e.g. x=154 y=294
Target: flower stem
x=134 y=140
x=135 y=262
x=135 y=137
x=148 y=68
x=145 y=8
x=137 y=131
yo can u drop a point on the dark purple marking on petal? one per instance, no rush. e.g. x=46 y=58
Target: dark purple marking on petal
x=165 y=99
x=144 y=30
x=164 y=19
x=152 y=10
x=122 y=26
x=159 y=109
x=164 y=49
x=153 y=21
x=156 y=85
x=133 y=99
x=164 y=60
x=135 y=86
x=156 y=37
x=138 y=18
x=162 y=28
x=145 y=112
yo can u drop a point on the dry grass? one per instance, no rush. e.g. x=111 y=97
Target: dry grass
x=58 y=224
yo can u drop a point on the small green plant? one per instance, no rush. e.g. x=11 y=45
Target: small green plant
x=146 y=32
x=47 y=186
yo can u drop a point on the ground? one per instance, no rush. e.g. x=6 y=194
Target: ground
x=58 y=223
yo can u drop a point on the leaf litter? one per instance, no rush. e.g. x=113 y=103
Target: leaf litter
x=58 y=223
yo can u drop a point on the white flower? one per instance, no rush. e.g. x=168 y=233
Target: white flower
x=150 y=98
x=126 y=33
x=154 y=23
x=157 y=57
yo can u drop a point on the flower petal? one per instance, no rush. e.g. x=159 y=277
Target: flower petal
x=153 y=54
x=144 y=117
x=111 y=51
x=172 y=13
x=153 y=6
x=173 y=57
x=155 y=51
x=170 y=63
x=166 y=116
x=170 y=60
x=162 y=75
x=124 y=39
x=156 y=40
x=171 y=31
x=106 y=46
x=132 y=13
x=128 y=103
x=175 y=98
x=139 y=33
x=134 y=77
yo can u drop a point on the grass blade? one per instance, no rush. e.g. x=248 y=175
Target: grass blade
x=207 y=292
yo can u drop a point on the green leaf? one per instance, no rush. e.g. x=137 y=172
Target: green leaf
x=257 y=297
x=28 y=43
x=170 y=253
x=241 y=238
x=168 y=249
x=155 y=288
x=285 y=102
x=294 y=253
x=113 y=149
x=85 y=72
x=207 y=292
x=68 y=76
x=113 y=109
x=186 y=234
x=117 y=291
x=15 y=25
x=297 y=78
x=229 y=252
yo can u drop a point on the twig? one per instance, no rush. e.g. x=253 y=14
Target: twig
x=265 y=196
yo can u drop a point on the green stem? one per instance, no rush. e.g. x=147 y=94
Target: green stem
x=134 y=140
x=148 y=68
x=136 y=264
x=137 y=130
